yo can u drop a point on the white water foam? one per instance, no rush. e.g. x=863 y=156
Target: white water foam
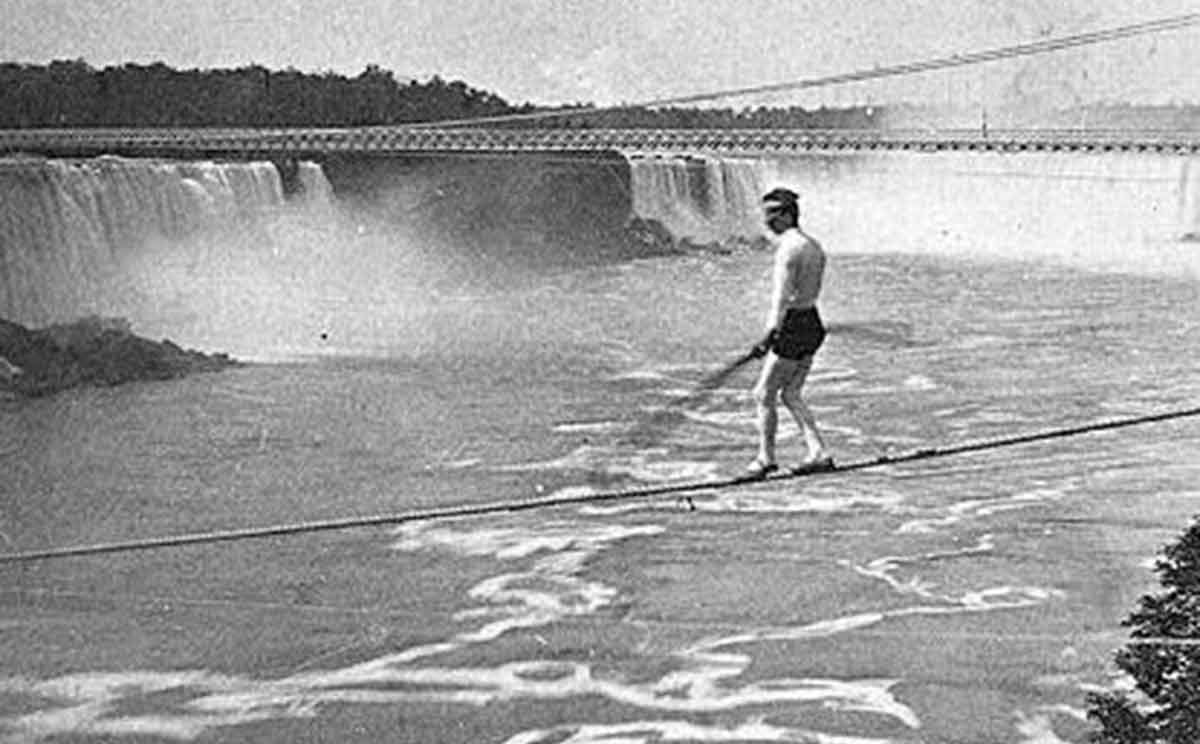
x=587 y=427
x=550 y=589
x=886 y=569
x=1037 y=729
x=612 y=461
x=875 y=697
x=971 y=509
x=655 y=731
x=703 y=677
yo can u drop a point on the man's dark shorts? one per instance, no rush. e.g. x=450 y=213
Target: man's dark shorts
x=800 y=334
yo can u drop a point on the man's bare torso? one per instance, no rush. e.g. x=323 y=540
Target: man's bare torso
x=801 y=261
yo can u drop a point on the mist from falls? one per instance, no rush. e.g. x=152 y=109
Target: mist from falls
x=218 y=256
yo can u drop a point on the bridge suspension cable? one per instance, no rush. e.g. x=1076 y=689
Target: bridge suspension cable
x=1045 y=46
x=547 y=502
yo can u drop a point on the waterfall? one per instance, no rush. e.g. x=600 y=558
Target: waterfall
x=67 y=227
x=76 y=235
x=702 y=199
x=1189 y=200
x=315 y=189
x=1127 y=212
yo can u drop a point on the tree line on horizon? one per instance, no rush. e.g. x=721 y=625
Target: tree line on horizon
x=73 y=94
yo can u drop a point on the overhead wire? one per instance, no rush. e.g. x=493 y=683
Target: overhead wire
x=1042 y=47
x=946 y=62
x=1045 y=46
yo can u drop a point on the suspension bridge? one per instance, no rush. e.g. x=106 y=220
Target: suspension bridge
x=497 y=135
x=317 y=143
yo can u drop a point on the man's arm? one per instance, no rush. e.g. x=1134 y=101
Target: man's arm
x=780 y=281
x=785 y=263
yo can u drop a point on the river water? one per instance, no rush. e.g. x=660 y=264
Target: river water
x=975 y=598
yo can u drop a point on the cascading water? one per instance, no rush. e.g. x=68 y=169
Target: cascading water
x=842 y=608
x=701 y=199
x=1189 y=199
x=68 y=227
x=77 y=236
x=315 y=189
x=1126 y=212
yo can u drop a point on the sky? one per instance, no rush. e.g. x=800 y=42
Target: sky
x=627 y=51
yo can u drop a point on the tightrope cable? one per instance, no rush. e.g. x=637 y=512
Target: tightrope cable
x=547 y=502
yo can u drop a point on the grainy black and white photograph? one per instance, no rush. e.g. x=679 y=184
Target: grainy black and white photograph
x=599 y=372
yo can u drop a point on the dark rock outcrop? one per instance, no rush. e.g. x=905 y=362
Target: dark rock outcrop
x=91 y=351
x=650 y=237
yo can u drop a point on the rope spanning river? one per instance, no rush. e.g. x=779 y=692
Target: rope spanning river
x=967 y=599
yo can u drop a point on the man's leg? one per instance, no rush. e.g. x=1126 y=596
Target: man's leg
x=775 y=374
x=791 y=395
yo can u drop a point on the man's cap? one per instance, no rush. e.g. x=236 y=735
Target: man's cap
x=781 y=197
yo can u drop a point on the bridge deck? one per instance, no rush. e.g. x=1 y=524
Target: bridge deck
x=403 y=140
